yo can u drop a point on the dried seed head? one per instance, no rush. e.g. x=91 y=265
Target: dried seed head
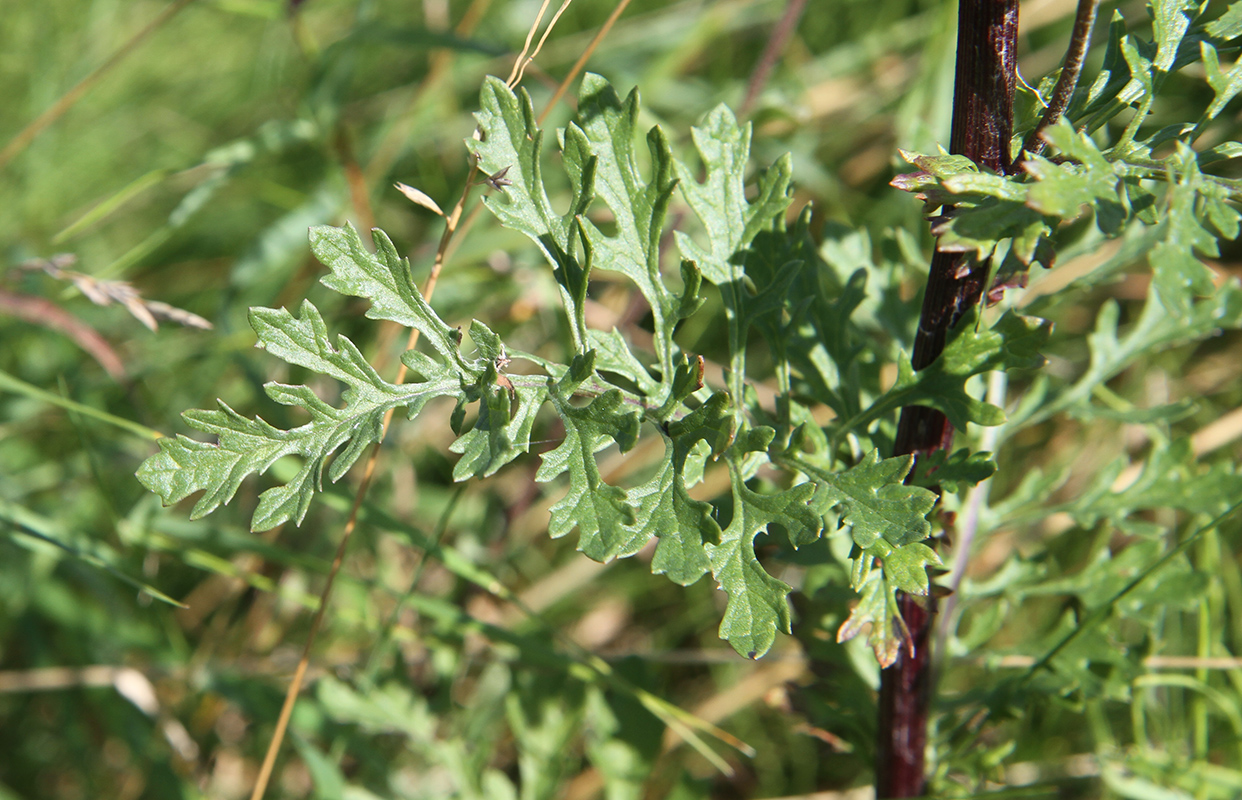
x=497 y=180
x=419 y=197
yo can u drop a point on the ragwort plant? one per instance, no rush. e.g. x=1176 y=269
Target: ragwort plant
x=784 y=469
x=810 y=473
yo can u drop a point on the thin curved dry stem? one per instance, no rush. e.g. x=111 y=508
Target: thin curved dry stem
x=574 y=71
x=41 y=311
x=1075 y=55
x=359 y=197
x=530 y=37
x=27 y=135
x=462 y=230
x=519 y=69
x=295 y=686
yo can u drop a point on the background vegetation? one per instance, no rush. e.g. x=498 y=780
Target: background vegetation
x=456 y=658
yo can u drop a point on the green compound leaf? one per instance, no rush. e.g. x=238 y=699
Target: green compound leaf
x=871 y=498
x=757 y=607
x=888 y=521
x=1171 y=477
x=986 y=209
x=184 y=466
x=878 y=614
x=1112 y=349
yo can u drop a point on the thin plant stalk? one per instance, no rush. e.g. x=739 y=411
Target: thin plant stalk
x=1071 y=69
x=771 y=53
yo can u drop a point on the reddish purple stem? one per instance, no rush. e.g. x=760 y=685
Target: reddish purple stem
x=982 y=130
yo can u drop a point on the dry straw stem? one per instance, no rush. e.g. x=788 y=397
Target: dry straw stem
x=295 y=685
x=1151 y=662
x=582 y=59
x=359 y=198
x=519 y=66
x=71 y=97
x=771 y=52
x=450 y=228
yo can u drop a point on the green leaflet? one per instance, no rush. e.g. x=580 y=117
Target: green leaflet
x=500 y=434
x=732 y=222
x=606 y=128
x=1013 y=342
x=955 y=472
x=757 y=605
x=877 y=611
x=720 y=201
x=666 y=509
x=544 y=714
x=600 y=512
x=244 y=446
x=623 y=742
x=511 y=141
x=184 y=466
x=888 y=522
x=384 y=279
x=873 y=501
x=1171 y=477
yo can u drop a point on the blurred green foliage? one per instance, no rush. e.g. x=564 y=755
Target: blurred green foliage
x=457 y=654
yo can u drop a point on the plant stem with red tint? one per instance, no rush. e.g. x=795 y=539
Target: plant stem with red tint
x=982 y=130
